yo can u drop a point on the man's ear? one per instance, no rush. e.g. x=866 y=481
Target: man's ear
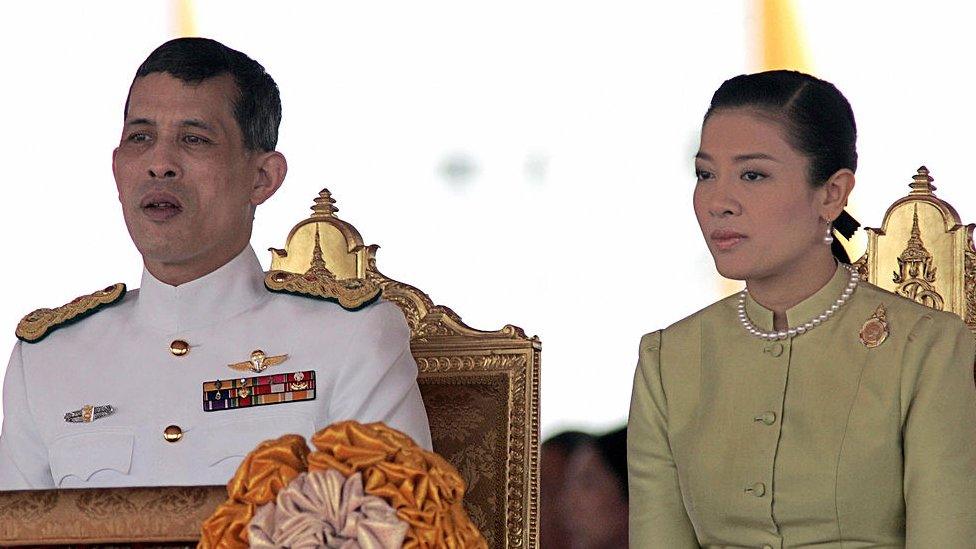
x=835 y=193
x=271 y=170
x=115 y=173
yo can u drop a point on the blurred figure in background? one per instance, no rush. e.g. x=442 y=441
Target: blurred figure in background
x=593 y=502
x=555 y=455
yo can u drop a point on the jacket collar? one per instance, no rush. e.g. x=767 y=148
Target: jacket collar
x=805 y=310
x=226 y=292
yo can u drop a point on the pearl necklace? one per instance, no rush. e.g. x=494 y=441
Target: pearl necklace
x=806 y=326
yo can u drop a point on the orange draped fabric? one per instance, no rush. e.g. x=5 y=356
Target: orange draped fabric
x=425 y=489
x=262 y=474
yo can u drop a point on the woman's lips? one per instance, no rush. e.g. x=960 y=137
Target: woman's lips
x=726 y=240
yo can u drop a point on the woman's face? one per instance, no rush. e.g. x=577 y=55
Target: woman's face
x=754 y=202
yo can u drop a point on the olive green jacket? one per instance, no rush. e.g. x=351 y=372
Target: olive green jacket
x=813 y=441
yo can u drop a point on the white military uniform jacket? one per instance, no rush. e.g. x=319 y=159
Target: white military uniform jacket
x=121 y=356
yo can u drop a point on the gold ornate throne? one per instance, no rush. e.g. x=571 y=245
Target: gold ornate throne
x=922 y=251
x=481 y=391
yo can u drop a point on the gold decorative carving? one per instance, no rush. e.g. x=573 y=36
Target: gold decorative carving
x=861 y=266
x=929 y=251
x=922 y=183
x=428 y=321
x=473 y=363
x=339 y=241
x=970 y=274
x=916 y=274
x=532 y=451
x=319 y=282
x=518 y=499
x=38 y=324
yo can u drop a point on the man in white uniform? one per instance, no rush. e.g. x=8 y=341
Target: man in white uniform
x=174 y=383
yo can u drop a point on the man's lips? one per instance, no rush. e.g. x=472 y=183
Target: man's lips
x=160 y=206
x=726 y=240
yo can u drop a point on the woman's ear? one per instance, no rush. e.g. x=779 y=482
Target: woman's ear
x=835 y=192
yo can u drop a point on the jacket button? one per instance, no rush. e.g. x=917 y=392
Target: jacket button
x=173 y=433
x=767 y=418
x=774 y=349
x=758 y=489
x=179 y=347
x=767 y=546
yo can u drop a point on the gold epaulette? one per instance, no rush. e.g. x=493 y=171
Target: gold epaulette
x=351 y=294
x=38 y=324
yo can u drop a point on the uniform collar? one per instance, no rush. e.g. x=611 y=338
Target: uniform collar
x=230 y=290
x=805 y=310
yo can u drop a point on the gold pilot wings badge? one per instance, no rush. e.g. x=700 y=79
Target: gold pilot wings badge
x=40 y=323
x=258 y=362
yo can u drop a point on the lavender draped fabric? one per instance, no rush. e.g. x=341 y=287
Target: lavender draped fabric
x=326 y=509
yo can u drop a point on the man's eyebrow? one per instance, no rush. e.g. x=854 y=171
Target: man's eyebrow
x=140 y=122
x=197 y=123
x=702 y=156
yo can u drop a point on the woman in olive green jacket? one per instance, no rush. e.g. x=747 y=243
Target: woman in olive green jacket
x=813 y=409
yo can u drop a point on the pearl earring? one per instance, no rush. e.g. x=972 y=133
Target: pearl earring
x=829 y=237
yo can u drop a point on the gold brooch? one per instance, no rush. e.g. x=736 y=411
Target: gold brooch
x=258 y=362
x=875 y=329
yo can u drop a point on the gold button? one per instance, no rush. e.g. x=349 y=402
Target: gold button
x=179 y=347
x=767 y=547
x=173 y=433
x=767 y=418
x=758 y=489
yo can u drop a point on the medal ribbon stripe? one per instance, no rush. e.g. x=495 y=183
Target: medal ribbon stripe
x=291 y=377
x=258 y=391
x=259 y=400
x=244 y=392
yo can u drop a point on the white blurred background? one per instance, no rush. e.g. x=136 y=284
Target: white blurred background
x=524 y=162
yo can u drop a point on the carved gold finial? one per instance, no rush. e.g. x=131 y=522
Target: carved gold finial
x=324 y=205
x=915 y=276
x=317 y=260
x=922 y=182
x=915 y=250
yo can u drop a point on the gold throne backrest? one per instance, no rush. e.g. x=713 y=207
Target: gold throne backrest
x=923 y=251
x=480 y=388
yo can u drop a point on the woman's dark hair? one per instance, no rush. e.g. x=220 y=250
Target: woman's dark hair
x=817 y=118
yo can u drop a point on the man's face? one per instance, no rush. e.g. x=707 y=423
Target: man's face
x=184 y=176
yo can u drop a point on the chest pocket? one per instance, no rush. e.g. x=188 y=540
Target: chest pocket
x=76 y=458
x=232 y=440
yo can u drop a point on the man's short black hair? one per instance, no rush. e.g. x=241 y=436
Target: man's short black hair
x=193 y=60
